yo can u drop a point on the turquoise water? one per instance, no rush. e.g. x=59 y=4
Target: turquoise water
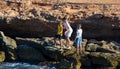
x=7 y=65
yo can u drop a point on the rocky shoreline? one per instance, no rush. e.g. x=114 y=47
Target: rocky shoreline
x=99 y=54
x=29 y=27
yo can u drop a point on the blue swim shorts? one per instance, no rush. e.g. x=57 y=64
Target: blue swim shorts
x=78 y=41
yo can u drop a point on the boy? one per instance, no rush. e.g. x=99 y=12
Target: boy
x=59 y=34
x=68 y=32
x=78 y=39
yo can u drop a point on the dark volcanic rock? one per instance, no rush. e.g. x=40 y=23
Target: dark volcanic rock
x=29 y=54
x=96 y=53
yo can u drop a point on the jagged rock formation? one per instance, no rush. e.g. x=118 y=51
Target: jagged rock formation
x=100 y=54
x=8 y=46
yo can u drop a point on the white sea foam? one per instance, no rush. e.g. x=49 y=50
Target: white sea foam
x=22 y=66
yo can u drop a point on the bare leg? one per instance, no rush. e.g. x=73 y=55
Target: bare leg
x=67 y=41
x=77 y=50
x=80 y=49
x=60 y=43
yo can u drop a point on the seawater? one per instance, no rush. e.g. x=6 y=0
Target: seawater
x=7 y=65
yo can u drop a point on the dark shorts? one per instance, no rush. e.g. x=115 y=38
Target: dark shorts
x=58 y=36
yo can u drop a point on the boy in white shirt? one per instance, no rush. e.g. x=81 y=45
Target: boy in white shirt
x=78 y=39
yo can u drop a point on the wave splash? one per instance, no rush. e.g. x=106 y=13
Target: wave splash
x=23 y=66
